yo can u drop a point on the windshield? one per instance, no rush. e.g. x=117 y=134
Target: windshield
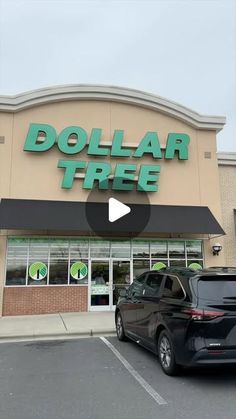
x=217 y=288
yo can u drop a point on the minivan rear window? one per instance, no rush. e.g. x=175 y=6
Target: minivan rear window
x=217 y=288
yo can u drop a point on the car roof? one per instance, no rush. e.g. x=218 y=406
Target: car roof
x=187 y=273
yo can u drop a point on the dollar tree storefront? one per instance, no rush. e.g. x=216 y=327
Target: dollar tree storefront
x=65 y=152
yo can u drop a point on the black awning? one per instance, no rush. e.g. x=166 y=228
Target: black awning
x=23 y=214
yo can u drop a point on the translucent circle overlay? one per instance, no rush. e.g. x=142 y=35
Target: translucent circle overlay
x=132 y=224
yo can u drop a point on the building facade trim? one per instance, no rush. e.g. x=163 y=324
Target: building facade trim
x=57 y=94
x=226 y=159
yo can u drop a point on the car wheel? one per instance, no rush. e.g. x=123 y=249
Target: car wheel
x=166 y=354
x=120 y=327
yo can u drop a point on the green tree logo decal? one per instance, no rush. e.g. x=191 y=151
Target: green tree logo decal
x=78 y=270
x=159 y=265
x=38 y=271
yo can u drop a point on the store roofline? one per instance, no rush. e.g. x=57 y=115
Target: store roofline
x=72 y=92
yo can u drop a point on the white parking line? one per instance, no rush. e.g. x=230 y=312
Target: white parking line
x=158 y=399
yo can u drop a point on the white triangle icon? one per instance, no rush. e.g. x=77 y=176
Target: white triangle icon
x=116 y=210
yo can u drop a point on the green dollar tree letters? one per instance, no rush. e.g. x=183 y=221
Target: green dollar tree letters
x=127 y=176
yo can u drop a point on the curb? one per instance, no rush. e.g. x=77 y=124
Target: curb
x=68 y=335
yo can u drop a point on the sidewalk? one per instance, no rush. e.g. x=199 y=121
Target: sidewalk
x=58 y=326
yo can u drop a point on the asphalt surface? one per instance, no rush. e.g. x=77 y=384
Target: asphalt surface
x=84 y=379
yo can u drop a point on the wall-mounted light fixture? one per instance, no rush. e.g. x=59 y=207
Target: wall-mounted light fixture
x=216 y=248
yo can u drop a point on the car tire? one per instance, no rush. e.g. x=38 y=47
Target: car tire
x=166 y=354
x=120 y=327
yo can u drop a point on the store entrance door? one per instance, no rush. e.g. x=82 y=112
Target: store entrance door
x=100 y=285
x=106 y=278
x=120 y=278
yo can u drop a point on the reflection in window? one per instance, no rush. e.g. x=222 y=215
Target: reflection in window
x=58 y=274
x=120 y=249
x=59 y=250
x=100 y=249
x=140 y=249
x=17 y=250
x=172 y=288
x=38 y=250
x=79 y=249
x=137 y=287
x=152 y=285
x=16 y=272
x=176 y=249
x=37 y=282
x=178 y=263
x=194 y=249
x=159 y=249
x=59 y=254
x=140 y=266
x=121 y=278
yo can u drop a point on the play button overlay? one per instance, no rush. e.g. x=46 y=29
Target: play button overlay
x=112 y=213
x=117 y=210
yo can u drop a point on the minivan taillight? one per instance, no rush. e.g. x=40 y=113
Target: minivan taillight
x=202 y=314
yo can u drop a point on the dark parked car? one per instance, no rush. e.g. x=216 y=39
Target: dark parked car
x=186 y=317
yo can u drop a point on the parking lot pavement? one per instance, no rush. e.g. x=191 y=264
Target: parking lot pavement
x=195 y=393
x=86 y=379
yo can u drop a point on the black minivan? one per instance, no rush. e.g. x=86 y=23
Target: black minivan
x=186 y=317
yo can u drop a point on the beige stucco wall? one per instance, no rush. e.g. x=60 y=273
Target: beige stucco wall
x=228 y=198
x=36 y=176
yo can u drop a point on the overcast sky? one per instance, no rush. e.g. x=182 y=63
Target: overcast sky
x=182 y=50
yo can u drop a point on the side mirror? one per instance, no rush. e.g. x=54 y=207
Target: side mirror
x=123 y=292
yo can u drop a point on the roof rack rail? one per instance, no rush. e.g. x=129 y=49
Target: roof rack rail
x=222 y=268
x=179 y=269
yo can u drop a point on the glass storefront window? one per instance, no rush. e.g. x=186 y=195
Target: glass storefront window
x=16 y=272
x=177 y=263
x=79 y=249
x=159 y=249
x=176 y=250
x=194 y=249
x=99 y=248
x=38 y=250
x=140 y=266
x=59 y=255
x=120 y=249
x=121 y=277
x=19 y=251
x=58 y=272
x=58 y=261
x=140 y=249
x=100 y=283
x=59 y=250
